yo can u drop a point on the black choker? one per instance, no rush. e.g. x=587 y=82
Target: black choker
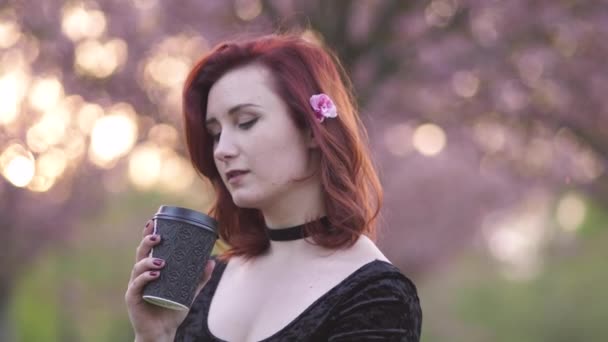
x=291 y=233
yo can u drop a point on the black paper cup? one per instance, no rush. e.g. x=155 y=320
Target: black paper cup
x=187 y=239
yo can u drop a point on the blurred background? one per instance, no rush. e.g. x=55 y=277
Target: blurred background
x=488 y=121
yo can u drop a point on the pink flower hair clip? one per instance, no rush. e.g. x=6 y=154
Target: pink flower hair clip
x=323 y=106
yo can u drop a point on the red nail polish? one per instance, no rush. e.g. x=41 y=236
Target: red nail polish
x=153 y=238
x=154 y=273
x=157 y=262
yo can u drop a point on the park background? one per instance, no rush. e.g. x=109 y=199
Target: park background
x=488 y=121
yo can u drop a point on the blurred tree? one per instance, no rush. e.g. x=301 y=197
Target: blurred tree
x=466 y=110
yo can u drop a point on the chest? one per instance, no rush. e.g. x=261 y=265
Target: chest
x=250 y=306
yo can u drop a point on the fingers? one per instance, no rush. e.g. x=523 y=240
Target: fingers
x=136 y=287
x=148 y=228
x=146 y=244
x=145 y=265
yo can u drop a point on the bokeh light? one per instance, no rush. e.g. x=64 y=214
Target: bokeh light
x=99 y=59
x=10 y=33
x=429 y=139
x=465 y=83
x=177 y=173
x=79 y=22
x=13 y=87
x=571 y=212
x=440 y=12
x=144 y=166
x=167 y=71
x=52 y=163
x=88 y=114
x=489 y=135
x=484 y=25
x=45 y=93
x=50 y=129
x=248 y=9
x=515 y=236
x=41 y=183
x=113 y=135
x=164 y=135
x=17 y=165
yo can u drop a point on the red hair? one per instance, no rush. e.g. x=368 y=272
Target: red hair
x=353 y=195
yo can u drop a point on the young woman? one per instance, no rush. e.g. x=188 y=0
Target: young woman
x=272 y=123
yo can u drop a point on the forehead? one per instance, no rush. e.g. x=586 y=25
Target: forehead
x=248 y=84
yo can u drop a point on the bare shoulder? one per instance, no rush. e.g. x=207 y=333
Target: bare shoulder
x=365 y=250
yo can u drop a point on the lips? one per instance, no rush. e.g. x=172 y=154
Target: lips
x=234 y=174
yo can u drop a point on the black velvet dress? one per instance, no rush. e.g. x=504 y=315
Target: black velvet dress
x=375 y=303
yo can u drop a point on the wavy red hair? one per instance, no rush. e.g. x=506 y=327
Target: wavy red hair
x=352 y=190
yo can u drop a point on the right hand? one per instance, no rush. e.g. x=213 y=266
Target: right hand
x=149 y=320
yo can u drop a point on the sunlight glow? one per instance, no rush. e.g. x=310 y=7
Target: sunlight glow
x=49 y=130
x=13 y=87
x=74 y=144
x=52 y=163
x=87 y=115
x=113 y=136
x=167 y=71
x=429 y=139
x=515 y=236
x=41 y=183
x=10 y=33
x=176 y=173
x=247 y=9
x=100 y=60
x=45 y=93
x=78 y=22
x=164 y=135
x=151 y=166
x=17 y=165
x=312 y=36
x=144 y=166
x=571 y=212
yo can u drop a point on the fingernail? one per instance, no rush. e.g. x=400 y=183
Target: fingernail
x=153 y=238
x=153 y=273
x=148 y=224
x=157 y=262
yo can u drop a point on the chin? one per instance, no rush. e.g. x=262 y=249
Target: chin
x=246 y=201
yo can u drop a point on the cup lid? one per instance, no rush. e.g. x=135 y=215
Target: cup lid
x=192 y=216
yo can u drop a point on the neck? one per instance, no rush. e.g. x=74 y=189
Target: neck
x=291 y=212
x=300 y=205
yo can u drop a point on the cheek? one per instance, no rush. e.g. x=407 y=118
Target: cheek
x=282 y=161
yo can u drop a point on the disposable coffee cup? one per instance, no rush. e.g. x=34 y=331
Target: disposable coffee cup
x=187 y=239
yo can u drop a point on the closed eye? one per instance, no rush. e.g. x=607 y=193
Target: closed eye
x=248 y=124
x=245 y=126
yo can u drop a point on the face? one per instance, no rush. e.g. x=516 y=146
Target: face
x=258 y=150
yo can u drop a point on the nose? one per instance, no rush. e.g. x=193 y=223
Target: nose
x=225 y=149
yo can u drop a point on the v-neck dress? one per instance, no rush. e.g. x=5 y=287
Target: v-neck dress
x=374 y=303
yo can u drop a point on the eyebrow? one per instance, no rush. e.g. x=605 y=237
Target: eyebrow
x=233 y=111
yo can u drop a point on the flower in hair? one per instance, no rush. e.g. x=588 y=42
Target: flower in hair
x=323 y=106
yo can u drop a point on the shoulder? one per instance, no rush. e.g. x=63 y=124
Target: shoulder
x=380 y=278
x=382 y=303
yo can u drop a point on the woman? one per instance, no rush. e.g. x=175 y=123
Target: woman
x=272 y=124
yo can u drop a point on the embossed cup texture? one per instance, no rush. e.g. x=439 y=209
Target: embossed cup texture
x=185 y=249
